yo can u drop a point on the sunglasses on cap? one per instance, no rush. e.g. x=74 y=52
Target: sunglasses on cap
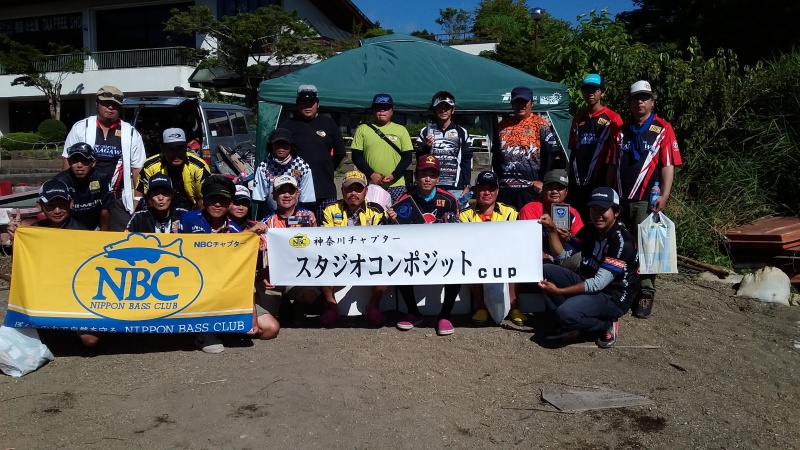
x=109 y=95
x=382 y=99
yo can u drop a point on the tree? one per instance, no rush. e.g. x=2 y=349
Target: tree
x=424 y=34
x=254 y=45
x=454 y=22
x=502 y=19
x=755 y=31
x=43 y=72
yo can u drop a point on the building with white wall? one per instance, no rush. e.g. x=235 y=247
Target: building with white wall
x=127 y=47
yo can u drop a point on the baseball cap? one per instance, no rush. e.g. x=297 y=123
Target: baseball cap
x=521 y=92
x=487 y=177
x=53 y=189
x=382 y=99
x=109 y=92
x=280 y=134
x=556 y=176
x=427 y=162
x=443 y=96
x=604 y=197
x=173 y=137
x=307 y=91
x=242 y=193
x=592 y=79
x=212 y=189
x=159 y=181
x=82 y=149
x=641 y=87
x=354 y=176
x=282 y=180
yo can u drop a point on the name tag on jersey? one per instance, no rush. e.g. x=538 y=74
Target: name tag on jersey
x=118 y=133
x=320 y=133
x=94 y=186
x=656 y=128
x=452 y=134
x=602 y=121
x=440 y=202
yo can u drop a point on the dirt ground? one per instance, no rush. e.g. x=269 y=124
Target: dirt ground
x=726 y=375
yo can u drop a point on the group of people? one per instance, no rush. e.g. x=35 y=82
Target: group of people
x=591 y=272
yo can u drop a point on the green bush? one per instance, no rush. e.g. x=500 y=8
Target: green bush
x=414 y=128
x=20 y=141
x=52 y=130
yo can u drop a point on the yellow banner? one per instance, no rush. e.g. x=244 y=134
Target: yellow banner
x=134 y=283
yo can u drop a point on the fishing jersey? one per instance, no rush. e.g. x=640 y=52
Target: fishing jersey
x=590 y=140
x=440 y=207
x=615 y=252
x=88 y=197
x=145 y=222
x=451 y=148
x=519 y=150
x=637 y=172
x=500 y=213
x=337 y=215
x=269 y=169
x=187 y=188
x=195 y=222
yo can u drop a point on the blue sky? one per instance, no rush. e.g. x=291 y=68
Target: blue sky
x=405 y=16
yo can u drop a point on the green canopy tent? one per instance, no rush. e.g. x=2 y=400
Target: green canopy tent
x=411 y=70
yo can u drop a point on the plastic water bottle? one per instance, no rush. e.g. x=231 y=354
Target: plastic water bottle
x=463 y=201
x=654 y=194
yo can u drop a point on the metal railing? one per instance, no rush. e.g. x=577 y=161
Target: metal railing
x=120 y=59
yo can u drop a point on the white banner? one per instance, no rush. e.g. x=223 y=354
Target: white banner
x=456 y=253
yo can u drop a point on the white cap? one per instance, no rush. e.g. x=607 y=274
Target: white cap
x=641 y=87
x=242 y=193
x=173 y=136
x=284 y=179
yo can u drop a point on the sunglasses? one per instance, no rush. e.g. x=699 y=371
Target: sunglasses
x=242 y=202
x=109 y=95
x=382 y=99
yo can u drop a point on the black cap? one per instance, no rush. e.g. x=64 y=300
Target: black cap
x=53 y=189
x=556 y=176
x=604 y=197
x=159 y=181
x=487 y=177
x=443 y=96
x=521 y=92
x=212 y=189
x=280 y=134
x=82 y=149
x=382 y=99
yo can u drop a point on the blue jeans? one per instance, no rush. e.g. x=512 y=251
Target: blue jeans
x=588 y=313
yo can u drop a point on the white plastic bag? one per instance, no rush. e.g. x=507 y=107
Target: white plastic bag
x=658 y=251
x=21 y=351
x=497 y=300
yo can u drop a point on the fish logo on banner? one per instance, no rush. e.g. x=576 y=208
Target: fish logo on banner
x=138 y=278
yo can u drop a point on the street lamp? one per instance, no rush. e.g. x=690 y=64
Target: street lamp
x=536 y=14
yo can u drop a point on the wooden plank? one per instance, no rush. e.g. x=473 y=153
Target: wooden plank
x=771 y=229
x=763 y=246
x=574 y=400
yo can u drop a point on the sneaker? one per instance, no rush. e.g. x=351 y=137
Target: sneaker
x=444 y=328
x=609 y=338
x=644 y=307
x=517 y=317
x=409 y=321
x=329 y=317
x=565 y=336
x=209 y=343
x=481 y=317
x=375 y=316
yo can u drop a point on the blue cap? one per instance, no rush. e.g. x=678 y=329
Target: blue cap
x=521 y=92
x=592 y=79
x=382 y=99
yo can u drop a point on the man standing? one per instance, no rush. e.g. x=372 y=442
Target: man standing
x=118 y=149
x=383 y=151
x=449 y=143
x=319 y=142
x=523 y=151
x=646 y=152
x=186 y=170
x=353 y=210
x=590 y=139
x=88 y=187
x=437 y=206
x=488 y=209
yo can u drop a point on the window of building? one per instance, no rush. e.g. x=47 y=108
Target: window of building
x=233 y=7
x=138 y=28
